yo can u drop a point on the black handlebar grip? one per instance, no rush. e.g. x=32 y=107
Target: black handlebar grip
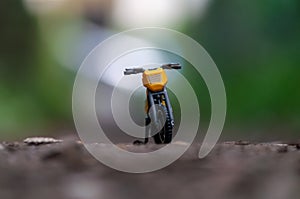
x=171 y=66
x=176 y=67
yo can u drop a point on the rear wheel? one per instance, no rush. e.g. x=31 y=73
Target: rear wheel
x=164 y=136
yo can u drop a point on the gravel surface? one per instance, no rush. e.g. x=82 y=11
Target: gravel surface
x=232 y=170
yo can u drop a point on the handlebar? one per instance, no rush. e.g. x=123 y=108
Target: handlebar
x=130 y=71
x=171 y=66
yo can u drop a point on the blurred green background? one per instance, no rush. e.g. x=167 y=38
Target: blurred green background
x=255 y=44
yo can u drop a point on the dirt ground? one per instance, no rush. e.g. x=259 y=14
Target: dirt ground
x=233 y=170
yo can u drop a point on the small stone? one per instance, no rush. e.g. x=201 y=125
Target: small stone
x=280 y=145
x=11 y=146
x=78 y=142
x=241 y=142
x=40 y=140
x=282 y=148
x=1 y=147
x=181 y=143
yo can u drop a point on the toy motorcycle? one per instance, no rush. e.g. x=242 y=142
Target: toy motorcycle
x=159 y=119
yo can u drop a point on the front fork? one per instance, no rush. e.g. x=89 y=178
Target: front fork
x=152 y=100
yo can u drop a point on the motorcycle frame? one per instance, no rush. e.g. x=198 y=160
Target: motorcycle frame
x=150 y=100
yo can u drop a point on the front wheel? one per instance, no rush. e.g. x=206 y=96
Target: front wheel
x=164 y=136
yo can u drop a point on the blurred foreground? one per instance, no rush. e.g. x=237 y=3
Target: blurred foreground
x=233 y=170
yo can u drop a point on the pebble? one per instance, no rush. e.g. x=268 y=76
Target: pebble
x=181 y=143
x=40 y=140
x=242 y=143
x=1 y=147
x=281 y=148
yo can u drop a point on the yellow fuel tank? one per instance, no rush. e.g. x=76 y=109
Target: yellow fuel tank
x=155 y=79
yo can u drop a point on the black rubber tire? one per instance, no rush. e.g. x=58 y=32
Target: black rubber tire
x=165 y=135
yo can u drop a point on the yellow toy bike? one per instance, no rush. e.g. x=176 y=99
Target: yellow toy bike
x=159 y=119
